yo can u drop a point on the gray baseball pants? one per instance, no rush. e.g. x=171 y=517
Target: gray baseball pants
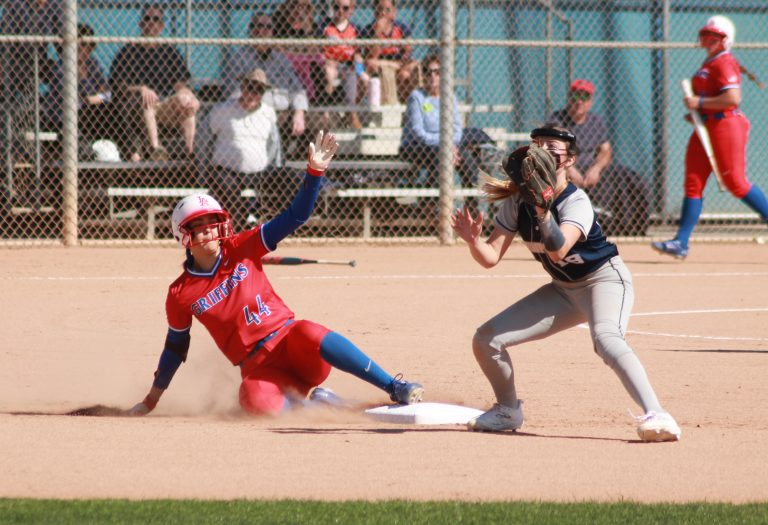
x=603 y=299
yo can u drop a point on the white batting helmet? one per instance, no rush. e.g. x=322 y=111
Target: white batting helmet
x=192 y=207
x=721 y=25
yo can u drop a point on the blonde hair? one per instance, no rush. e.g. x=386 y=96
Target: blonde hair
x=495 y=189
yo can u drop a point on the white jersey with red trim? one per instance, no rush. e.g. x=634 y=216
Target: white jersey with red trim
x=234 y=301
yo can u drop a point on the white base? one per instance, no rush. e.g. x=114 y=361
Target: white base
x=424 y=414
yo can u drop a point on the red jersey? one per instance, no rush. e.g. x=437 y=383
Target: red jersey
x=715 y=75
x=340 y=53
x=235 y=301
x=399 y=31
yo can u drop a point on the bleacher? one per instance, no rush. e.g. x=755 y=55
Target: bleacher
x=366 y=173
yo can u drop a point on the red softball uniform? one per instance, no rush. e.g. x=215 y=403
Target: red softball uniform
x=728 y=131
x=340 y=53
x=235 y=302
x=250 y=324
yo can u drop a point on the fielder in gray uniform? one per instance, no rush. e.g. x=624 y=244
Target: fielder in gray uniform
x=590 y=283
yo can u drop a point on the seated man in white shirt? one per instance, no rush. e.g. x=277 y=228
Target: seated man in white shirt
x=240 y=140
x=286 y=94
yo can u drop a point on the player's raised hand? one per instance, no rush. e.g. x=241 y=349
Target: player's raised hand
x=322 y=151
x=465 y=226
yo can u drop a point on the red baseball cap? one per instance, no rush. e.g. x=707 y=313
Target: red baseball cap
x=583 y=85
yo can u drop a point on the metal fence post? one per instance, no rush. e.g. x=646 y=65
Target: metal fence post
x=447 y=81
x=69 y=126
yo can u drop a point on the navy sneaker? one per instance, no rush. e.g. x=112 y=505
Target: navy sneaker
x=673 y=248
x=405 y=393
x=326 y=396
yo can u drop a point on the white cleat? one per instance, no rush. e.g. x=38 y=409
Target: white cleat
x=658 y=426
x=497 y=419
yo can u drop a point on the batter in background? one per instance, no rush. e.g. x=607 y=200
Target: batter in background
x=717 y=95
x=590 y=283
x=223 y=285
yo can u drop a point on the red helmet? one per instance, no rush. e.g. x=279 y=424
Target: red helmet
x=192 y=207
x=721 y=25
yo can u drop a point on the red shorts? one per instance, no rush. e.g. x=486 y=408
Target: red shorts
x=729 y=143
x=289 y=363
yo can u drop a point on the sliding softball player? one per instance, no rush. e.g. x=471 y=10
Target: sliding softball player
x=224 y=287
x=717 y=95
x=590 y=282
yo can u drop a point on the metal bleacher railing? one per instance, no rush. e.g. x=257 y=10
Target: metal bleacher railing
x=509 y=64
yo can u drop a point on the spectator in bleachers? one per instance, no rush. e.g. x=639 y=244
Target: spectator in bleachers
x=94 y=94
x=287 y=94
x=28 y=17
x=296 y=19
x=343 y=62
x=392 y=63
x=619 y=192
x=595 y=153
x=420 y=141
x=239 y=139
x=150 y=84
x=21 y=62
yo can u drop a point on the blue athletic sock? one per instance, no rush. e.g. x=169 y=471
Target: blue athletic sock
x=342 y=353
x=756 y=200
x=688 y=219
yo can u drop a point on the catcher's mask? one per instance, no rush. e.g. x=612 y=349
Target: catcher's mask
x=552 y=132
x=193 y=207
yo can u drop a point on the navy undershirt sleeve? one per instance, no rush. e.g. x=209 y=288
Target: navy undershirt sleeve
x=295 y=215
x=174 y=353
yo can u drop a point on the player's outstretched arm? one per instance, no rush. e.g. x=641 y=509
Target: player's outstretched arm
x=174 y=353
x=486 y=252
x=319 y=156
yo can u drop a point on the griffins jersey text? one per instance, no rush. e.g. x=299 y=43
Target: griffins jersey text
x=234 y=301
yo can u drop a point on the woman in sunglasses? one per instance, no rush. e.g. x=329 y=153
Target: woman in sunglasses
x=420 y=141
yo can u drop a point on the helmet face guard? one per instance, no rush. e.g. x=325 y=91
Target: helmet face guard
x=557 y=134
x=193 y=207
x=721 y=26
x=221 y=229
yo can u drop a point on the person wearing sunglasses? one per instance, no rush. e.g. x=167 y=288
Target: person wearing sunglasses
x=238 y=141
x=622 y=195
x=420 y=141
x=590 y=130
x=344 y=62
x=287 y=94
x=150 y=84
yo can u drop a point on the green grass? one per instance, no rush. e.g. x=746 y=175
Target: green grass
x=190 y=512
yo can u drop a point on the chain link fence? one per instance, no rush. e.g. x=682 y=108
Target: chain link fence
x=112 y=111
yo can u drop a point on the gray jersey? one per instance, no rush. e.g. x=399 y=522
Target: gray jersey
x=572 y=207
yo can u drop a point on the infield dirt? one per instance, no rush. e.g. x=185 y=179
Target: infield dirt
x=86 y=326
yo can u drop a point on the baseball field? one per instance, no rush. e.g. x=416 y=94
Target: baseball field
x=86 y=326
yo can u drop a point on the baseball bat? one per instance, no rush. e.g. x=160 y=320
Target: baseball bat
x=293 y=261
x=703 y=135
